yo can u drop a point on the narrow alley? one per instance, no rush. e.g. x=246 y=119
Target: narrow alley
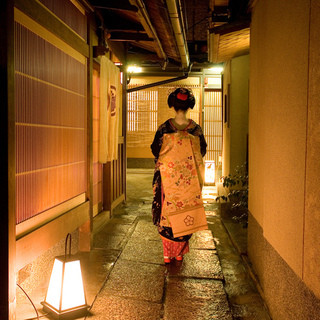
x=126 y=278
x=88 y=87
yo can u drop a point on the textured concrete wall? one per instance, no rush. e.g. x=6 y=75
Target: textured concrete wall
x=239 y=102
x=284 y=143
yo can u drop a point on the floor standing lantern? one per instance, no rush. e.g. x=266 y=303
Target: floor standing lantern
x=210 y=172
x=65 y=296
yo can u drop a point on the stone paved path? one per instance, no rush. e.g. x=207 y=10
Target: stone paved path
x=125 y=277
x=139 y=285
x=135 y=284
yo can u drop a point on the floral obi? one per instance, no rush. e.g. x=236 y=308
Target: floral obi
x=182 y=172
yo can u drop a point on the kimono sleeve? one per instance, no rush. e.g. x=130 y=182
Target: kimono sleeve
x=203 y=143
x=157 y=143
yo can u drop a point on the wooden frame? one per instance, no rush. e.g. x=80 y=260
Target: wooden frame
x=45 y=18
x=113 y=186
x=226 y=107
x=7 y=163
x=37 y=242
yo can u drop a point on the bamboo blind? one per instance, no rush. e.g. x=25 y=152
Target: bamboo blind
x=97 y=167
x=50 y=104
x=213 y=124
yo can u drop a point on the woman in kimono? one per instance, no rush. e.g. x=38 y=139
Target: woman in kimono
x=178 y=148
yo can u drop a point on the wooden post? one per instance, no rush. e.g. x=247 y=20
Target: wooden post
x=124 y=132
x=85 y=231
x=7 y=164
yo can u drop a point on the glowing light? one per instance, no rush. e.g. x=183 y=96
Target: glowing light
x=134 y=69
x=216 y=70
x=65 y=292
x=209 y=193
x=54 y=289
x=72 y=293
x=210 y=171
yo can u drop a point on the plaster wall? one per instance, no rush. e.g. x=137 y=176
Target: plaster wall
x=311 y=259
x=239 y=101
x=284 y=144
x=278 y=120
x=235 y=131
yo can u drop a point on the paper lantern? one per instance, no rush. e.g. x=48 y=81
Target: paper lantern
x=210 y=172
x=65 y=295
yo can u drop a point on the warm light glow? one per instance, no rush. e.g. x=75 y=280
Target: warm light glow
x=209 y=193
x=54 y=289
x=213 y=82
x=72 y=293
x=216 y=70
x=134 y=69
x=70 y=281
x=210 y=172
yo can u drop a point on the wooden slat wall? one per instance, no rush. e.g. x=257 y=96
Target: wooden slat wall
x=147 y=109
x=50 y=101
x=70 y=13
x=113 y=186
x=142 y=117
x=213 y=124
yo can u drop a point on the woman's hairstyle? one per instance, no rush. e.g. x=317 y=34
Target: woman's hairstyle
x=181 y=99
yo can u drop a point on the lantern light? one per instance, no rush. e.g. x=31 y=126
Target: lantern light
x=134 y=69
x=65 y=295
x=210 y=172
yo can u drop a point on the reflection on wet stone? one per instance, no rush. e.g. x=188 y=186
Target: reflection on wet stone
x=136 y=280
x=139 y=286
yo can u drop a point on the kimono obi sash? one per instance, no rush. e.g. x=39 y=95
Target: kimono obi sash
x=182 y=173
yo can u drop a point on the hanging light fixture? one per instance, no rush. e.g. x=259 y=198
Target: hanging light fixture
x=65 y=295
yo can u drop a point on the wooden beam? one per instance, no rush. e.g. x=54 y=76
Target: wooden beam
x=129 y=36
x=230 y=27
x=124 y=131
x=125 y=29
x=39 y=241
x=118 y=5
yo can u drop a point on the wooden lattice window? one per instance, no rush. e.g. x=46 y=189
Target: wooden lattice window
x=212 y=125
x=142 y=117
x=142 y=110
